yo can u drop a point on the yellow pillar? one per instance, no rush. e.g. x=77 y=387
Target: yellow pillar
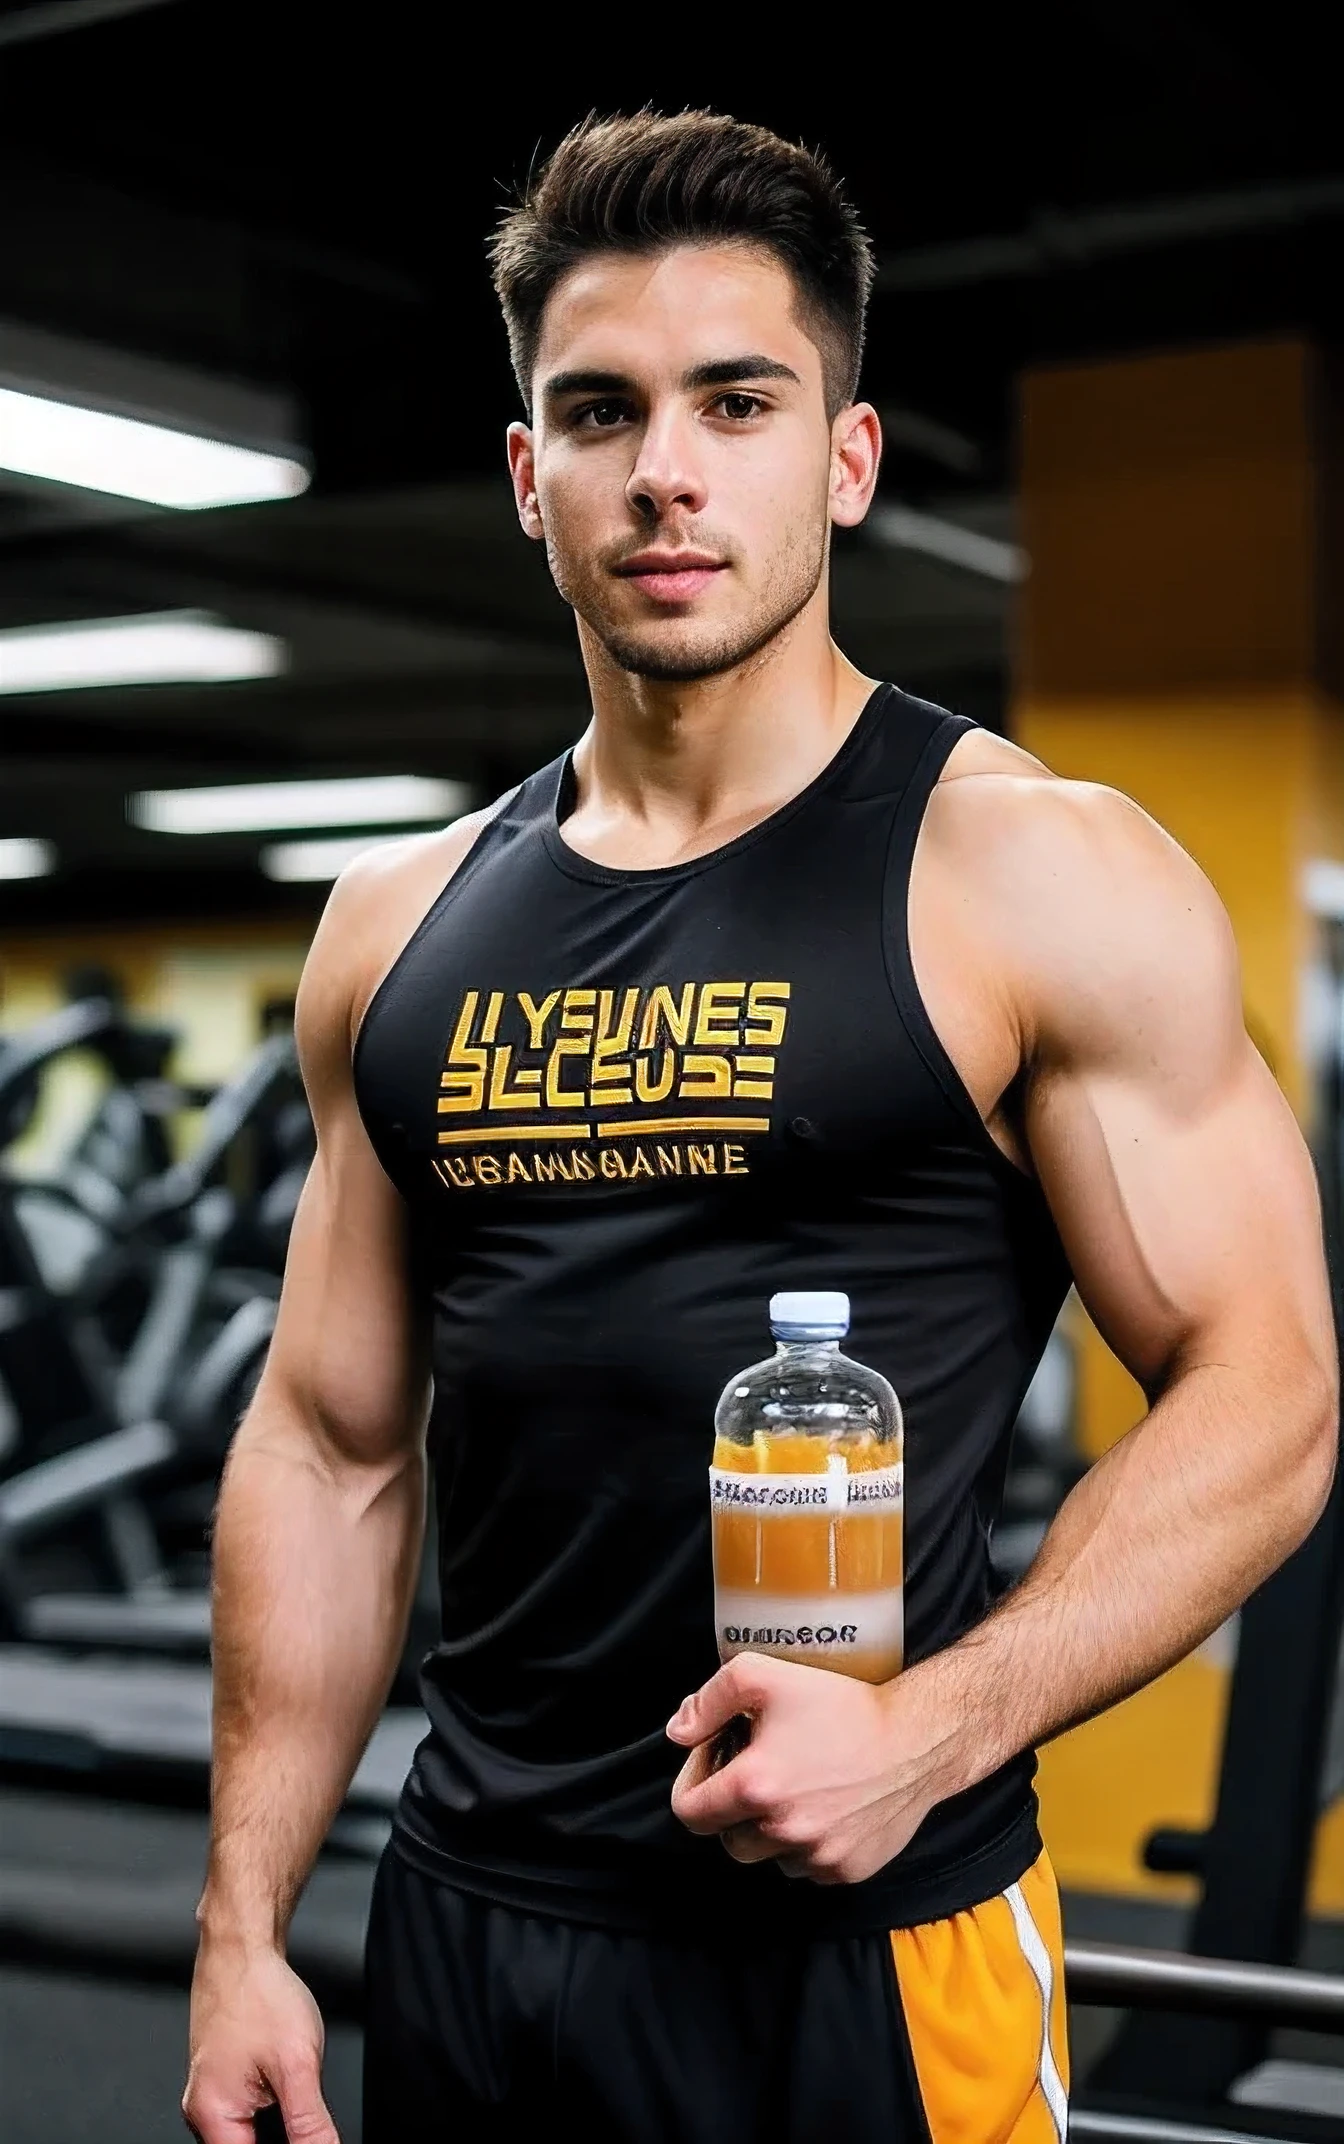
x=1180 y=641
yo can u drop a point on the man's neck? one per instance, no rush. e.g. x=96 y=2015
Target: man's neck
x=667 y=771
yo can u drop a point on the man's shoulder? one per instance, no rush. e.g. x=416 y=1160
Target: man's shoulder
x=392 y=872
x=1070 y=890
x=374 y=908
x=1014 y=828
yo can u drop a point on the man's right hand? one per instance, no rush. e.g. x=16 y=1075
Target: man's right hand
x=256 y=2041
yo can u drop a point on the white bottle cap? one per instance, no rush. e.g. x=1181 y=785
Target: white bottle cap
x=810 y=1314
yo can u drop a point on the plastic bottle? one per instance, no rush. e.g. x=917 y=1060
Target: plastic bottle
x=806 y=1497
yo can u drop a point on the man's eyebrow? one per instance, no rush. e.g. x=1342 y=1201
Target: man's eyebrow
x=586 y=383
x=719 y=372
x=730 y=371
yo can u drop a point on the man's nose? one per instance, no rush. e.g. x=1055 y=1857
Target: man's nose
x=667 y=470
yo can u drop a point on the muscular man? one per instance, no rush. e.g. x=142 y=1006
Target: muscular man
x=780 y=979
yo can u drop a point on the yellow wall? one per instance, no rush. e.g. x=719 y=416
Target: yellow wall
x=1169 y=506
x=207 y=982
x=1234 y=777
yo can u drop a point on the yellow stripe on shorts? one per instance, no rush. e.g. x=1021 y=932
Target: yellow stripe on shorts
x=983 y=1997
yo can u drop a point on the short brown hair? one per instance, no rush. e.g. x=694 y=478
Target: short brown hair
x=640 y=182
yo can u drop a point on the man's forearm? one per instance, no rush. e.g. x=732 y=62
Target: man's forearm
x=1157 y=1545
x=315 y=1567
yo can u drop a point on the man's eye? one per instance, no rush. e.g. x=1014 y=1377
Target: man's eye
x=740 y=406
x=603 y=415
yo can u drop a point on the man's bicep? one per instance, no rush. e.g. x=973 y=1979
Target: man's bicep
x=349 y=1349
x=1192 y=1234
x=1176 y=1172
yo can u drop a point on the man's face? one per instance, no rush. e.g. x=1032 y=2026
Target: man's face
x=680 y=460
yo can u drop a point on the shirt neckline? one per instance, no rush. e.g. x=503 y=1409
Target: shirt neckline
x=569 y=860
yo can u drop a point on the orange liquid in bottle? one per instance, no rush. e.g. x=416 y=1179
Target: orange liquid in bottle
x=820 y=1585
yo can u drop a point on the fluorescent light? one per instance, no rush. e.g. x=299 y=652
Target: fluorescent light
x=256 y=807
x=171 y=648
x=907 y=530
x=22 y=858
x=98 y=451
x=295 y=861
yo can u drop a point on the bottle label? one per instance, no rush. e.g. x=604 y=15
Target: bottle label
x=829 y=1624
x=782 y=1495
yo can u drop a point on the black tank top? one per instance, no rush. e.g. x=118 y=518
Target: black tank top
x=624 y=1107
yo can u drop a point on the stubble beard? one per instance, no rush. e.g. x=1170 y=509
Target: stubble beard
x=790 y=587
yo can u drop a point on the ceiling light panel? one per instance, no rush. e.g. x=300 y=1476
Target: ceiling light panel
x=21 y=857
x=298 y=862
x=97 y=450
x=259 y=807
x=167 y=648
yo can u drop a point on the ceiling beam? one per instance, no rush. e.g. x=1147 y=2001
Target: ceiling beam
x=290 y=720
x=50 y=20
x=153 y=570
x=1054 y=241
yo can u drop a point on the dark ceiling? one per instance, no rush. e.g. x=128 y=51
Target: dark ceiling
x=298 y=200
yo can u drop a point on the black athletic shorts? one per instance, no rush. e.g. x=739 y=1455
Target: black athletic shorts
x=483 y=2023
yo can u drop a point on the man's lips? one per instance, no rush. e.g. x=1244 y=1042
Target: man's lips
x=671 y=576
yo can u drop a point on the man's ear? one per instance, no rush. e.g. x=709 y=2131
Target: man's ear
x=522 y=470
x=856 y=451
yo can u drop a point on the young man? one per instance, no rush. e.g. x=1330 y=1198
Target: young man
x=781 y=978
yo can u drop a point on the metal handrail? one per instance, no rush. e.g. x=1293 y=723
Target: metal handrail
x=1218 y=1987
x=1101 y=2128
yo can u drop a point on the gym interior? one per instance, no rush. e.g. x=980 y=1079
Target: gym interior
x=264 y=603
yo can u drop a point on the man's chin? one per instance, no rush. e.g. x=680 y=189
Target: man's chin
x=669 y=666
x=683 y=659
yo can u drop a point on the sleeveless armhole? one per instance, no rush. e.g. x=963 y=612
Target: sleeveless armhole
x=905 y=990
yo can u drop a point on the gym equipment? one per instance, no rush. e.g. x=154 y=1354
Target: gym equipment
x=140 y=1729
x=1257 y=1997
x=128 y=1382
x=1044 y=1462
x=50 y=1361
x=143 y=1601
x=123 y=1143
x=141 y=1352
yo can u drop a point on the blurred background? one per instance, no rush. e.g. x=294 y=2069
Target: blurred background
x=263 y=602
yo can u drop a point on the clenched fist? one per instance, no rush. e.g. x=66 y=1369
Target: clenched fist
x=256 y=2040
x=837 y=1776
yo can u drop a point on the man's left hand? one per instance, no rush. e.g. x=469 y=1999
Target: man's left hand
x=838 y=1774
